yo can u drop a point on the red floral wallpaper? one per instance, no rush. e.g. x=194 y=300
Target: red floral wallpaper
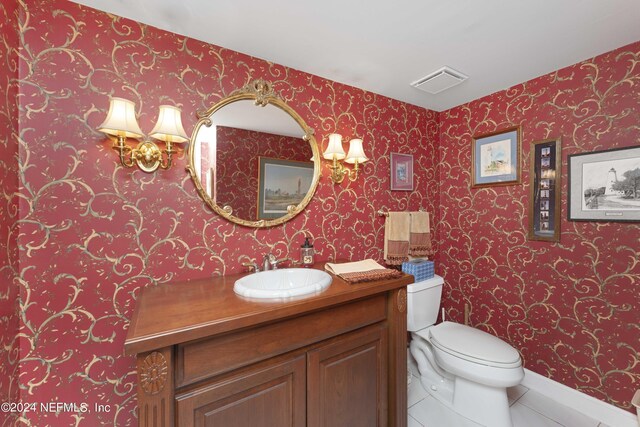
x=92 y=234
x=571 y=308
x=9 y=320
x=237 y=156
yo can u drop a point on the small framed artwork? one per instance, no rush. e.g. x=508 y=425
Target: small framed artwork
x=401 y=172
x=495 y=158
x=605 y=185
x=281 y=183
x=544 y=190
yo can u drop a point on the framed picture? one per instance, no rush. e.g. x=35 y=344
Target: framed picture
x=281 y=183
x=495 y=158
x=544 y=190
x=605 y=185
x=401 y=172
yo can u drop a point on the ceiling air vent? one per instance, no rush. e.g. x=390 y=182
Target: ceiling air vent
x=440 y=80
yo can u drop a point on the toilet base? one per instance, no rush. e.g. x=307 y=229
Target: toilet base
x=434 y=382
x=439 y=388
x=486 y=405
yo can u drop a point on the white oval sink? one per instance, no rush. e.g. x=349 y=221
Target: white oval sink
x=282 y=283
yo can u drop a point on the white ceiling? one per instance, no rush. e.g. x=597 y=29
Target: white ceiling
x=383 y=46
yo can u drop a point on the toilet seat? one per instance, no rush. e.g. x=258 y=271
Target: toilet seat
x=472 y=345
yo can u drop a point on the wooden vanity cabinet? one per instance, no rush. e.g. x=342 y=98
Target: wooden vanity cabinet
x=207 y=357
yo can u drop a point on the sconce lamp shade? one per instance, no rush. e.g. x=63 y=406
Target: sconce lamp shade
x=121 y=119
x=169 y=125
x=334 y=148
x=356 y=152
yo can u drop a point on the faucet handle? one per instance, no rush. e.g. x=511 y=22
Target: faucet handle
x=253 y=266
x=275 y=262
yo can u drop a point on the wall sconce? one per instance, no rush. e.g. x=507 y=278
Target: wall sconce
x=335 y=152
x=121 y=122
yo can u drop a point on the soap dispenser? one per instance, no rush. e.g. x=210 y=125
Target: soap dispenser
x=306 y=253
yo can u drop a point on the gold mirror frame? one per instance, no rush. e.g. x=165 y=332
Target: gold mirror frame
x=262 y=93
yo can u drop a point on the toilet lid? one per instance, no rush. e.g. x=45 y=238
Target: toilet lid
x=473 y=345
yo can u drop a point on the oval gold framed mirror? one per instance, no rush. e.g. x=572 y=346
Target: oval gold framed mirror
x=253 y=158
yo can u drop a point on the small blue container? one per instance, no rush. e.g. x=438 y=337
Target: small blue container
x=420 y=268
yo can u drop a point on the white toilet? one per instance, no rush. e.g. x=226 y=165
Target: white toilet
x=465 y=368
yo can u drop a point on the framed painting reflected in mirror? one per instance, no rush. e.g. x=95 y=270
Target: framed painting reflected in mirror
x=281 y=184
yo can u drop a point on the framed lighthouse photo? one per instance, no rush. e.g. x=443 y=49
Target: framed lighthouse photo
x=495 y=158
x=605 y=185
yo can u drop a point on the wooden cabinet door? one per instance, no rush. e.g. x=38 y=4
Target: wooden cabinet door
x=347 y=380
x=266 y=395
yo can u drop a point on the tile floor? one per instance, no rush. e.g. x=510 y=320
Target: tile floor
x=528 y=409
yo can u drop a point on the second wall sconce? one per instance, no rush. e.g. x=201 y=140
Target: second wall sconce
x=335 y=153
x=121 y=122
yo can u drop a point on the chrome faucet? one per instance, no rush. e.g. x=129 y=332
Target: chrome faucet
x=269 y=262
x=266 y=262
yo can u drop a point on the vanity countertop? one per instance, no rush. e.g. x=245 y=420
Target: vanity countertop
x=184 y=311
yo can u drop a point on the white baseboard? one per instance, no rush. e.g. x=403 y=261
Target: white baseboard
x=583 y=403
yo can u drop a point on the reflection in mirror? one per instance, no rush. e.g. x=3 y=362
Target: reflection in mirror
x=255 y=163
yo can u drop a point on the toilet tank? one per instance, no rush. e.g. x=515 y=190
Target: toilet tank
x=423 y=302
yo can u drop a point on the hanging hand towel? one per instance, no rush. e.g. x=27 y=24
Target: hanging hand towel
x=420 y=235
x=396 y=238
